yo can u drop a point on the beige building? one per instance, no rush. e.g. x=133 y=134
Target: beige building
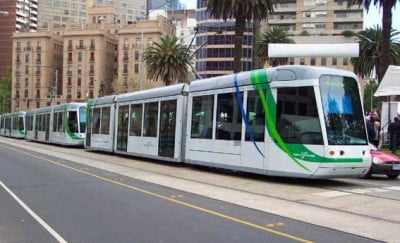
x=37 y=58
x=93 y=60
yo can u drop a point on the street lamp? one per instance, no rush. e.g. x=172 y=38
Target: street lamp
x=3 y=13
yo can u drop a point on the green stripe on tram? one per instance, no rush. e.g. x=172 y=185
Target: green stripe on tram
x=296 y=152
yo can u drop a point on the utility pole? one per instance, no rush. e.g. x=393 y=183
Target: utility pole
x=56 y=88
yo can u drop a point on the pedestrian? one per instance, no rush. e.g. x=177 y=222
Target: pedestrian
x=394 y=134
x=370 y=130
x=376 y=135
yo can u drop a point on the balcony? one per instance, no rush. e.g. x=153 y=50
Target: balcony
x=69 y=48
x=92 y=47
x=17 y=73
x=69 y=73
x=125 y=47
x=38 y=85
x=28 y=48
x=91 y=73
x=70 y=61
x=125 y=59
x=17 y=85
x=38 y=48
x=38 y=73
x=91 y=60
x=17 y=62
x=38 y=61
x=18 y=49
x=80 y=47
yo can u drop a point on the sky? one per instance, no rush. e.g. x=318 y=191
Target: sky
x=371 y=18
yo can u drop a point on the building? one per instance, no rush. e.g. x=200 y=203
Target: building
x=215 y=43
x=60 y=13
x=133 y=40
x=89 y=60
x=36 y=65
x=320 y=22
x=22 y=16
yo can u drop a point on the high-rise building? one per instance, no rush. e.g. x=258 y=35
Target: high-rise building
x=128 y=10
x=215 y=39
x=20 y=15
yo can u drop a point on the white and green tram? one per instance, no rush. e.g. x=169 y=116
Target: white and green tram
x=13 y=124
x=63 y=124
x=296 y=121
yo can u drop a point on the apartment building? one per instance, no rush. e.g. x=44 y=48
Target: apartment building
x=320 y=22
x=215 y=42
x=133 y=41
x=87 y=60
x=21 y=16
x=36 y=65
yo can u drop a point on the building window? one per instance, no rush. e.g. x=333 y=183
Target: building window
x=78 y=94
x=69 y=81
x=26 y=70
x=38 y=93
x=38 y=58
x=70 y=45
x=136 y=67
x=136 y=55
x=81 y=42
x=91 y=82
x=92 y=44
x=138 y=42
x=302 y=61
x=26 y=93
x=345 y=61
x=334 y=61
x=37 y=104
x=70 y=57
x=79 y=70
x=91 y=70
x=79 y=81
x=323 y=61
x=92 y=56
x=26 y=82
x=91 y=94
x=79 y=56
x=27 y=57
x=126 y=44
x=312 y=62
x=125 y=68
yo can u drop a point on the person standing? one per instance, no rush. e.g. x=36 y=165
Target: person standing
x=394 y=134
x=376 y=135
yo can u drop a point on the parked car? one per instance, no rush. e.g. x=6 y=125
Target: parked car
x=384 y=163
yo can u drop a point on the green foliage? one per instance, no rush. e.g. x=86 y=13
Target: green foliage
x=273 y=35
x=5 y=93
x=348 y=33
x=304 y=33
x=167 y=61
x=369 y=91
x=369 y=59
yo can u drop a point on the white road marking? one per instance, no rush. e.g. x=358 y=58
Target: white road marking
x=394 y=188
x=34 y=215
x=332 y=194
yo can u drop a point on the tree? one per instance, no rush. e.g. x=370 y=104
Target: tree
x=371 y=102
x=167 y=60
x=241 y=11
x=273 y=35
x=384 y=45
x=369 y=58
x=5 y=93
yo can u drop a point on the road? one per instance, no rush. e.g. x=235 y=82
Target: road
x=86 y=204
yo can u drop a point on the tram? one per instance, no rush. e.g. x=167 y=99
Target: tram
x=13 y=124
x=295 y=121
x=63 y=124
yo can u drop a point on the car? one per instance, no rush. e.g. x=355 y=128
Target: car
x=383 y=163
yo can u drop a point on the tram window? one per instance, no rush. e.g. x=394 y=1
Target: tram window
x=73 y=121
x=136 y=120
x=82 y=119
x=255 y=116
x=105 y=120
x=96 y=121
x=55 y=121
x=60 y=122
x=297 y=118
x=150 y=119
x=21 y=123
x=229 y=117
x=202 y=116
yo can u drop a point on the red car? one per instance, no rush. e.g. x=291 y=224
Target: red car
x=384 y=163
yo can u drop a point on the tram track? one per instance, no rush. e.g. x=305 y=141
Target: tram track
x=244 y=176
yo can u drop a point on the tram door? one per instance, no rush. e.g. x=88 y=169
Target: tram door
x=89 y=127
x=37 y=122
x=122 y=130
x=47 y=135
x=166 y=142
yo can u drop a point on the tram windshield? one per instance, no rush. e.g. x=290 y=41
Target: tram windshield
x=73 y=121
x=82 y=119
x=342 y=111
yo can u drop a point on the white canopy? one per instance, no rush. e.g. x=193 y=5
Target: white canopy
x=313 y=50
x=390 y=84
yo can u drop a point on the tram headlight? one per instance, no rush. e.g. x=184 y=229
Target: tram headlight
x=376 y=160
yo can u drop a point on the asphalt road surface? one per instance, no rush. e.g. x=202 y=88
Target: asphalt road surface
x=45 y=199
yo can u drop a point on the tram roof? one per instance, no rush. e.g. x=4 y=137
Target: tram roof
x=103 y=100
x=69 y=106
x=166 y=91
x=276 y=74
x=13 y=113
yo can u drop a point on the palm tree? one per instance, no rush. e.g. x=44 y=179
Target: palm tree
x=241 y=11
x=273 y=35
x=384 y=51
x=167 y=60
x=370 y=47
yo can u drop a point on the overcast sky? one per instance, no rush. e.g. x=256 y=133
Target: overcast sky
x=370 y=19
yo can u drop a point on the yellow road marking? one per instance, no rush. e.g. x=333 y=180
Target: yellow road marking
x=280 y=224
x=221 y=215
x=270 y=225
